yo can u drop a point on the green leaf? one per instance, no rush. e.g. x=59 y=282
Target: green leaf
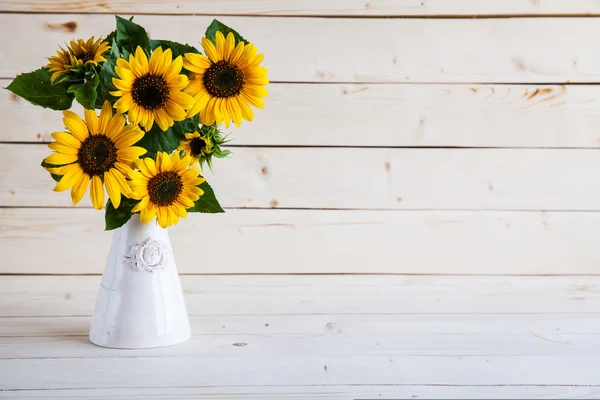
x=35 y=87
x=57 y=178
x=177 y=49
x=85 y=93
x=109 y=38
x=211 y=32
x=156 y=140
x=107 y=72
x=117 y=217
x=130 y=35
x=222 y=153
x=207 y=203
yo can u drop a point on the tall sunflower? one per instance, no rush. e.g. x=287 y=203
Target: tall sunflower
x=77 y=53
x=150 y=91
x=227 y=82
x=97 y=149
x=196 y=145
x=166 y=188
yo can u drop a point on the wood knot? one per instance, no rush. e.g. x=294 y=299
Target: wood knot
x=274 y=203
x=70 y=26
x=264 y=171
x=241 y=344
x=388 y=166
x=14 y=97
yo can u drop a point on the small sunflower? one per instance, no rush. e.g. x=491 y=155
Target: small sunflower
x=227 y=82
x=90 y=52
x=59 y=64
x=150 y=91
x=97 y=149
x=166 y=188
x=77 y=53
x=196 y=146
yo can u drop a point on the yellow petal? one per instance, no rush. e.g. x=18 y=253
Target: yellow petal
x=148 y=213
x=113 y=189
x=130 y=153
x=72 y=175
x=97 y=192
x=247 y=112
x=210 y=50
x=80 y=188
x=196 y=62
x=105 y=117
x=141 y=58
x=141 y=205
x=91 y=120
x=236 y=53
x=129 y=139
x=122 y=184
x=75 y=125
x=156 y=61
x=229 y=46
x=162 y=217
x=234 y=111
x=115 y=126
x=62 y=149
x=220 y=45
x=61 y=159
x=66 y=139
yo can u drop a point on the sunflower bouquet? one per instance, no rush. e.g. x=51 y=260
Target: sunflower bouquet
x=160 y=104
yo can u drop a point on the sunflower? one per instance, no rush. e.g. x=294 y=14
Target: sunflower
x=90 y=52
x=77 y=53
x=97 y=149
x=166 y=188
x=196 y=146
x=227 y=82
x=150 y=91
x=59 y=64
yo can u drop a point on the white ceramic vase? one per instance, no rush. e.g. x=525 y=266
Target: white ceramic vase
x=140 y=303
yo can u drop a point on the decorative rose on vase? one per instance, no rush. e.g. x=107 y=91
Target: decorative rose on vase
x=149 y=255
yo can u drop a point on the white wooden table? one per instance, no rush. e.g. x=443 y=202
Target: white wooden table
x=316 y=337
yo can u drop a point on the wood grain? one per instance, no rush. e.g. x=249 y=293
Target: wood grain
x=333 y=335
x=386 y=115
x=318 y=241
x=524 y=50
x=318 y=392
x=224 y=296
x=355 y=178
x=314 y=7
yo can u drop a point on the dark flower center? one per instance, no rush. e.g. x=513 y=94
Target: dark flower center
x=87 y=56
x=197 y=146
x=223 y=79
x=164 y=188
x=97 y=155
x=150 y=91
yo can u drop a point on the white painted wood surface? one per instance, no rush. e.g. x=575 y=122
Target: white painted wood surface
x=330 y=337
x=405 y=115
x=503 y=50
x=362 y=8
x=319 y=241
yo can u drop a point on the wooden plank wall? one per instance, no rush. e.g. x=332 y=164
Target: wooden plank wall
x=408 y=136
